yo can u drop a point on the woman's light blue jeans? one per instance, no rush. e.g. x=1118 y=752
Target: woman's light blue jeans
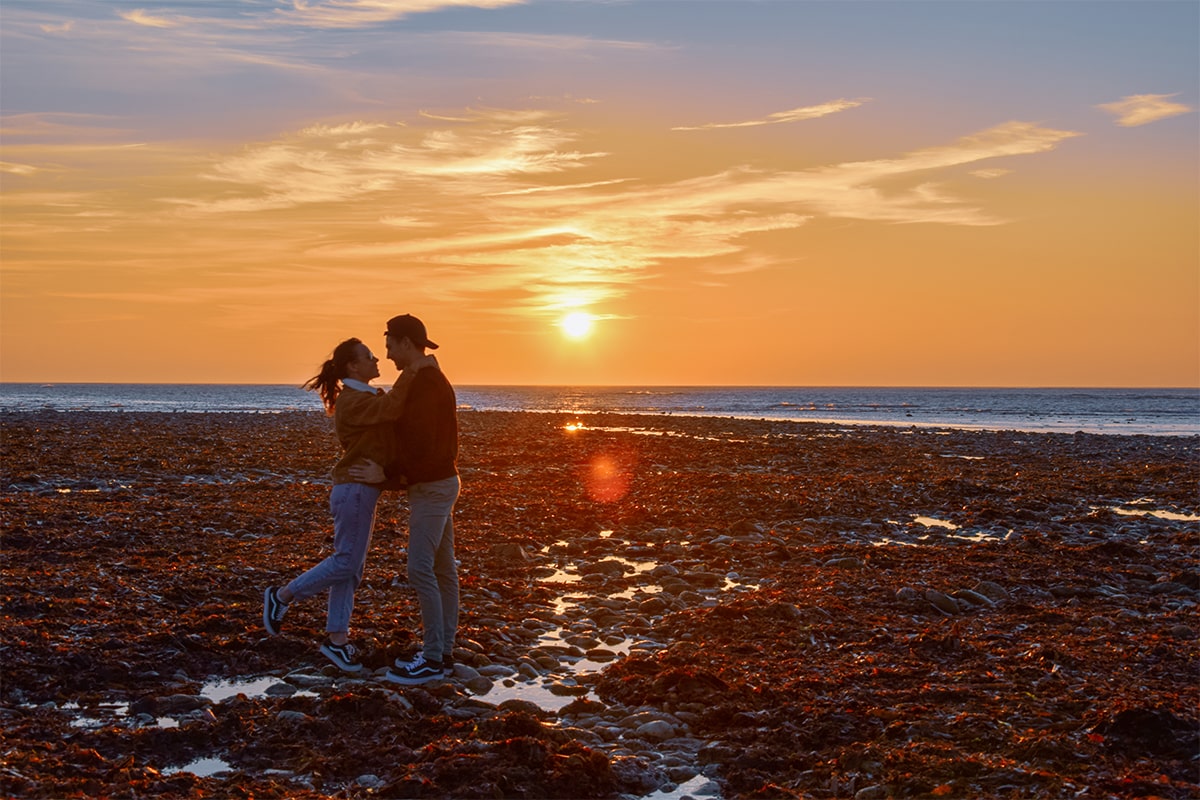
x=353 y=508
x=432 y=571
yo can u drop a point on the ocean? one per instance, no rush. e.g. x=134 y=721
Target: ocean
x=1158 y=412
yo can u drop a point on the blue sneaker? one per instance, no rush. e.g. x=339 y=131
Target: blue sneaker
x=415 y=672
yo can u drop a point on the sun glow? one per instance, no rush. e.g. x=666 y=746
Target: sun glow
x=577 y=324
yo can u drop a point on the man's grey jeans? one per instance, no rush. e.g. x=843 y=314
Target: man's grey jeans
x=432 y=570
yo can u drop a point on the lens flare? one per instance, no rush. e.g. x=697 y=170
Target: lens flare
x=607 y=480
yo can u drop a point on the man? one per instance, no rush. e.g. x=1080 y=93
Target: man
x=427 y=447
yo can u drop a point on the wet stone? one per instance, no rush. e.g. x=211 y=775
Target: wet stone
x=656 y=730
x=942 y=602
x=177 y=703
x=974 y=598
x=992 y=590
x=478 y=685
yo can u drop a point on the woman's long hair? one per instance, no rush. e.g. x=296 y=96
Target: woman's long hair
x=326 y=382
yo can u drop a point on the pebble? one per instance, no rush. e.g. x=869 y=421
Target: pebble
x=942 y=602
x=478 y=685
x=305 y=681
x=177 y=703
x=656 y=730
x=974 y=598
x=497 y=671
x=652 y=606
x=991 y=590
x=568 y=689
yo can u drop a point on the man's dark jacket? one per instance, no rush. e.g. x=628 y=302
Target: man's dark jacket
x=427 y=432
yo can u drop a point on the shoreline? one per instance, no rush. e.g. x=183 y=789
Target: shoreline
x=733 y=605
x=1121 y=411
x=832 y=422
x=829 y=422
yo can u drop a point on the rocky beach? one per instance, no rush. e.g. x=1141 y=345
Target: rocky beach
x=653 y=607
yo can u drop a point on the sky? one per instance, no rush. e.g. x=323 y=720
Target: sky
x=603 y=192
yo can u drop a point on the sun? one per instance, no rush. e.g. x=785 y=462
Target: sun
x=577 y=324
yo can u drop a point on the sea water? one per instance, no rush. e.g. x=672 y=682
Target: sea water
x=1161 y=412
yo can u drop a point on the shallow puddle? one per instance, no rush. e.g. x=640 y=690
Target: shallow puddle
x=931 y=522
x=223 y=689
x=697 y=787
x=536 y=692
x=1138 y=512
x=202 y=767
x=96 y=716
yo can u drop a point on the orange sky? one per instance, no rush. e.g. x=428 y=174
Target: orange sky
x=732 y=193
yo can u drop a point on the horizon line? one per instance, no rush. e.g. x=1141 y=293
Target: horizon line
x=49 y=384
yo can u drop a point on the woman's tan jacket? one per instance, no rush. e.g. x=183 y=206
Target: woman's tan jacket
x=365 y=425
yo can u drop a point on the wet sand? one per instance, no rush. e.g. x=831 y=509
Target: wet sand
x=744 y=609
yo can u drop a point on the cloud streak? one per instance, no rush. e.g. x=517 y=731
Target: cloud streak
x=780 y=117
x=1142 y=109
x=346 y=162
x=138 y=16
x=363 y=13
x=489 y=203
x=601 y=235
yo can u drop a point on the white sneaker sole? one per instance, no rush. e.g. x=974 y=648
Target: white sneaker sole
x=405 y=680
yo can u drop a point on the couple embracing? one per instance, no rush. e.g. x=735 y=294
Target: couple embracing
x=404 y=438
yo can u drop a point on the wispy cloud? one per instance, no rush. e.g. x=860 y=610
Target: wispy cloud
x=17 y=169
x=1142 y=109
x=360 y=13
x=606 y=235
x=509 y=211
x=138 y=16
x=779 y=117
x=343 y=163
x=1008 y=139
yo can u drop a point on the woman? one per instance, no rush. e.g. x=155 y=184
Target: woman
x=363 y=418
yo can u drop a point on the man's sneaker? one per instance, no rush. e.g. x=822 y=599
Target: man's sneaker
x=273 y=610
x=447 y=665
x=415 y=672
x=344 y=656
